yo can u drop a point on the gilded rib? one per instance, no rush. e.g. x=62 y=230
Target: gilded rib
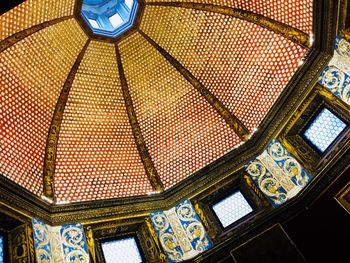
x=229 y=117
x=54 y=130
x=140 y=143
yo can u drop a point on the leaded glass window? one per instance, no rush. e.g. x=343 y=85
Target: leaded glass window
x=1 y=249
x=324 y=129
x=124 y=250
x=232 y=208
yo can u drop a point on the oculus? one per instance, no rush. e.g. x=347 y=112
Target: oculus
x=109 y=18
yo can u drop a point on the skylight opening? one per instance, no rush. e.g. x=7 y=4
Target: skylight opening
x=109 y=18
x=123 y=250
x=324 y=129
x=116 y=20
x=129 y=3
x=93 y=23
x=232 y=208
x=1 y=249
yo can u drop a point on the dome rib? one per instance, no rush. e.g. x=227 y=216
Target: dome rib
x=146 y=159
x=13 y=39
x=54 y=130
x=286 y=31
x=239 y=128
x=192 y=63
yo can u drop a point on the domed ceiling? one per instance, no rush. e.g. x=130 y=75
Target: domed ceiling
x=86 y=118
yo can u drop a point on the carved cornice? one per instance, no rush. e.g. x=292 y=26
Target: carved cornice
x=227 y=166
x=54 y=130
x=24 y=203
x=146 y=159
x=229 y=117
x=13 y=39
x=196 y=184
x=285 y=30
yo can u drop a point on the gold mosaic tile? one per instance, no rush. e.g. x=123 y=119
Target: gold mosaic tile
x=243 y=65
x=297 y=14
x=97 y=156
x=31 y=13
x=32 y=74
x=182 y=131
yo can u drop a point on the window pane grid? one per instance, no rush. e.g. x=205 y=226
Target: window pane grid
x=324 y=129
x=1 y=249
x=121 y=251
x=232 y=208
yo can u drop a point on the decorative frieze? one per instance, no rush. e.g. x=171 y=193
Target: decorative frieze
x=180 y=232
x=58 y=244
x=278 y=174
x=336 y=76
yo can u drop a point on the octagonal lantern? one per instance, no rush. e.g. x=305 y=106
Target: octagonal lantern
x=109 y=18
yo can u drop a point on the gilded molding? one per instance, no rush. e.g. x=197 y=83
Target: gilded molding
x=343 y=14
x=345 y=34
x=54 y=130
x=229 y=117
x=21 y=245
x=248 y=180
x=31 y=249
x=286 y=31
x=23 y=204
x=154 y=236
x=146 y=159
x=90 y=240
x=202 y=215
x=13 y=39
x=205 y=180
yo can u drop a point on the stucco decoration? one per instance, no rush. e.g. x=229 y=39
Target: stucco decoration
x=341 y=56
x=336 y=76
x=278 y=174
x=180 y=231
x=59 y=244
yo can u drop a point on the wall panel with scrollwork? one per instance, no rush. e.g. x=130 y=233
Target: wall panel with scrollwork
x=180 y=231
x=278 y=174
x=60 y=244
x=336 y=76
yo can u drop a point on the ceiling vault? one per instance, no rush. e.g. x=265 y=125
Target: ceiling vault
x=54 y=130
x=238 y=127
x=13 y=39
x=146 y=159
x=286 y=31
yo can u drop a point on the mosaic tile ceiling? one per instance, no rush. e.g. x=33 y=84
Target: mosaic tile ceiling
x=141 y=113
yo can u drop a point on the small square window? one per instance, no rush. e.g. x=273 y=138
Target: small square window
x=121 y=250
x=93 y=23
x=1 y=249
x=116 y=20
x=129 y=3
x=232 y=208
x=323 y=130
